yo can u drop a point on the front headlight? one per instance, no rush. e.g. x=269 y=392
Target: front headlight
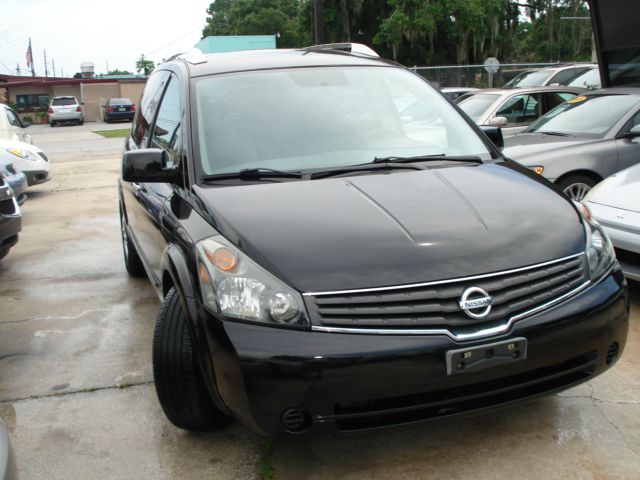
x=237 y=287
x=600 y=253
x=25 y=154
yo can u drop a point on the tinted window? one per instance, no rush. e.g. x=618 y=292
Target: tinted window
x=120 y=101
x=310 y=118
x=166 y=131
x=57 y=102
x=565 y=76
x=12 y=118
x=591 y=116
x=521 y=109
x=148 y=105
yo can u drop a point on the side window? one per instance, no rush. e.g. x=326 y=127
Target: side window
x=563 y=77
x=167 y=129
x=556 y=98
x=521 y=109
x=148 y=106
x=12 y=118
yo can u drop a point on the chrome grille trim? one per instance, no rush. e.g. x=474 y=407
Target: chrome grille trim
x=442 y=282
x=496 y=330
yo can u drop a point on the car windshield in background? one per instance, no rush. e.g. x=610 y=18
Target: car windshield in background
x=120 y=101
x=476 y=105
x=586 y=116
x=534 y=78
x=316 y=118
x=63 y=101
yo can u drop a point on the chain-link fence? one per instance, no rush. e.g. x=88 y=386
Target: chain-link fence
x=476 y=75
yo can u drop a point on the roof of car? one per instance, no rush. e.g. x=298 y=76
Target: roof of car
x=615 y=91
x=228 y=62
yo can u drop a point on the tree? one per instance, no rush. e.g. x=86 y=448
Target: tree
x=119 y=72
x=145 y=66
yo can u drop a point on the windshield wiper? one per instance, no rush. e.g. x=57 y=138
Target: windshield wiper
x=253 y=174
x=362 y=167
x=428 y=158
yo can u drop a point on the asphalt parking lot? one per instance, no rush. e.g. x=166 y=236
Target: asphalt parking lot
x=76 y=386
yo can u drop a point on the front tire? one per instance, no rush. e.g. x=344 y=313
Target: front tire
x=132 y=261
x=179 y=385
x=576 y=186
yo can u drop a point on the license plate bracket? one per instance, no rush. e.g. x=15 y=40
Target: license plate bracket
x=473 y=359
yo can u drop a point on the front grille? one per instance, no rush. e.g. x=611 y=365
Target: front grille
x=7 y=207
x=436 y=305
x=387 y=412
x=44 y=157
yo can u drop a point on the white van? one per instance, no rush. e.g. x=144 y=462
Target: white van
x=11 y=127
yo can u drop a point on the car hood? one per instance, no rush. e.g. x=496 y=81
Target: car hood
x=11 y=144
x=621 y=190
x=527 y=148
x=397 y=228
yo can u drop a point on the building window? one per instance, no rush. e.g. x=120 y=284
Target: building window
x=28 y=103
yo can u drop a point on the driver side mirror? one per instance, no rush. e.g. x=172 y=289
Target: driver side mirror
x=497 y=122
x=147 y=166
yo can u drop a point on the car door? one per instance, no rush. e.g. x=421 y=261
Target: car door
x=628 y=148
x=136 y=203
x=154 y=228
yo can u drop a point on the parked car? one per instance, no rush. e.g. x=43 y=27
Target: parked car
x=16 y=180
x=615 y=204
x=28 y=159
x=548 y=76
x=10 y=222
x=455 y=92
x=581 y=142
x=321 y=270
x=65 y=109
x=513 y=109
x=589 y=80
x=119 y=109
x=11 y=127
x=8 y=470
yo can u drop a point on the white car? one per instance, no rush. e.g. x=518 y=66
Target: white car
x=11 y=127
x=27 y=158
x=615 y=204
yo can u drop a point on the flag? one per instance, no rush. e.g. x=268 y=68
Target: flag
x=29 y=56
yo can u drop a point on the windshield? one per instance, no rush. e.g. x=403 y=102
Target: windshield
x=315 y=118
x=477 y=105
x=63 y=101
x=534 y=78
x=586 y=116
x=589 y=79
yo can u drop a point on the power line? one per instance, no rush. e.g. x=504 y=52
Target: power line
x=174 y=41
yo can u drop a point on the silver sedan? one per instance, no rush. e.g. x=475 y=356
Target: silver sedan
x=513 y=109
x=615 y=204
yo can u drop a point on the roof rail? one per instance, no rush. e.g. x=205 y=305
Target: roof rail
x=357 y=48
x=193 y=56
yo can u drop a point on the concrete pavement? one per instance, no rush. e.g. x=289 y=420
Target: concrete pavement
x=76 y=384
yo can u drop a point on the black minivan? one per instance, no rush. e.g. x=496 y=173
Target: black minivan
x=330 y=264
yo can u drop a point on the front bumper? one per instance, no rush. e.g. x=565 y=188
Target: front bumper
x=342 y=383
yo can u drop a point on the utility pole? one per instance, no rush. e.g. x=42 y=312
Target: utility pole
x=30 y=59
x=46 y=72
x=18 y=68
x=53 y=65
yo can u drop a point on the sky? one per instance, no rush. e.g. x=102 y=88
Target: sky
x=113 y=32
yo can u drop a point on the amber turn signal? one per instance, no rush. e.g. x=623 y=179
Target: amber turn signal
x=223 y=259
x=538 y=169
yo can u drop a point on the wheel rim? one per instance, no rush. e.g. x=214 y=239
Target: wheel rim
x=125 y=237
x=577 y=191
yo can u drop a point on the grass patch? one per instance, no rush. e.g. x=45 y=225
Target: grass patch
x=119 y=133
x=266 y=456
